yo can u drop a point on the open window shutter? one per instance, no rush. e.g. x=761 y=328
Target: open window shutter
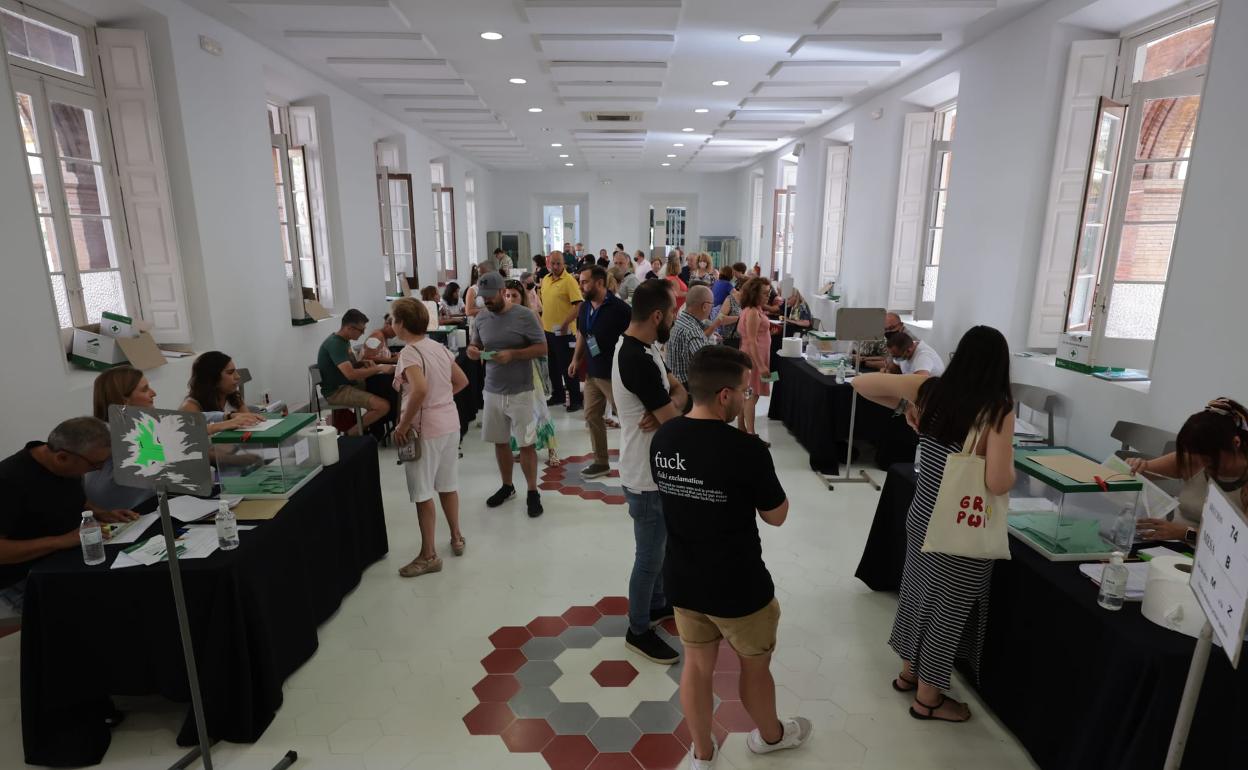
x=130 y=96
x=303 y=132
x=836 y=183
x=1089 y=76
x=911 y=197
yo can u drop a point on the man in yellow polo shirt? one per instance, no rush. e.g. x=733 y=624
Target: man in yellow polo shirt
x=561 y=298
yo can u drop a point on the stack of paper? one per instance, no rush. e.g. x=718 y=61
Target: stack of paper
x=186 y=508
x=196 y=543
x=122 y=534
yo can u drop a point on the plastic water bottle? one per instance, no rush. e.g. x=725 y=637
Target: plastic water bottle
x=1113 y=583
x=840 y=372
x=1124 y=529
x=92 y=538
x=227 y=527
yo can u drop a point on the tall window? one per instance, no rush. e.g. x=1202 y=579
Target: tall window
x=785 y=203
x=470 y=210
x=443 y=220
x=836 y=187
x=397 y=237
x=295 y=184
x=756 y=219
x=1133 y=195
x=941 y=163
x=71 y=169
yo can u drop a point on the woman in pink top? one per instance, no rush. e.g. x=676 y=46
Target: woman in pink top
x=755 y=333
x=428 y=378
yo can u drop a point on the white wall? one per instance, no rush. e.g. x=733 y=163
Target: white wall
x=216 y=140
x=615 y=212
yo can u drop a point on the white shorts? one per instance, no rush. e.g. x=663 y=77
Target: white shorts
x=507 y=417
x=437 y=470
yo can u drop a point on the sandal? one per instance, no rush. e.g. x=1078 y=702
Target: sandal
x=931 y=711
x=553 y=462
x=418 y=567
x=611 y=423
x=458 y=546
x=909 y=686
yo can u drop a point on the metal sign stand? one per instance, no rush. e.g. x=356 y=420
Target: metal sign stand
x=853 y=325
x=1191 y=694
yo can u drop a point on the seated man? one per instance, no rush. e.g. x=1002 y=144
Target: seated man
x=873 y=352
x=340 y=373
x=911 y=356
x=44 y=500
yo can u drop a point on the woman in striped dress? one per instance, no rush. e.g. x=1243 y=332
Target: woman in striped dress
x=943 y=607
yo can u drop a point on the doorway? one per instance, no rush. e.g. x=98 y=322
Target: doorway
x=561 y=223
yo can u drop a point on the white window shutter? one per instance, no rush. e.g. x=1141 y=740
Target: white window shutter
x=836 y=184
x=130 y=96
x=916 y=149
x=1089 y=76
x=303 y=132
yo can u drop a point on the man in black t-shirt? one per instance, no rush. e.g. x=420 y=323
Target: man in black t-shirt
x=603 y=317
x=713 y=479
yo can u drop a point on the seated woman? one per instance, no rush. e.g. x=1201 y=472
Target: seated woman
x=377 y=344
x=1212 y=445
x=451 y=308
x=214 y=388
x=124 y=386
x=797 y=312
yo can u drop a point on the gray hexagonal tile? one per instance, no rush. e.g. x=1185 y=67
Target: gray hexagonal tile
x=612 y=625
x=675 y=701
x=655 y=716
x=674 y=671
x=538 y=673
x=580 y=637
x=542 y=648
x=614 y=734
x=573 y=718
x=533 y=703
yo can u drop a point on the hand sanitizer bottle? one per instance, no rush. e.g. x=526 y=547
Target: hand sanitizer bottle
x=1113 y=583
x=227 y=527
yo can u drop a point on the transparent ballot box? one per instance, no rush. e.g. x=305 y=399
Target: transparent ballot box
x=1066 y=519
x=274 y=462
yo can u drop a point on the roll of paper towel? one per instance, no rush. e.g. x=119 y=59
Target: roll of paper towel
x=791 y=347
x=327 y=438
x=1168 y=600
x=461 y=338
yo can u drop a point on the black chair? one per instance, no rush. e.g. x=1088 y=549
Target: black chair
x=1142 y=440
x=1038 y=401
x=314 y=395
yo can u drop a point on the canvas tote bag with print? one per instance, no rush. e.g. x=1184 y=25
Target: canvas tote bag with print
x=968 y=520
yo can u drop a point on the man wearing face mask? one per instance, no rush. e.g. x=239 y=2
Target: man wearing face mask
x=646 y=396
x=561 y=299
x=875 y=352
x=713 y=481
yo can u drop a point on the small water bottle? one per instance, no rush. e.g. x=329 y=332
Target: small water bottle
x=92 y=538
x=227 y=527
x=1113 y=583
x=1124 y=529
x=840 y=372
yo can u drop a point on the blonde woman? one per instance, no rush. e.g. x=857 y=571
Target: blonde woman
x=703 y=269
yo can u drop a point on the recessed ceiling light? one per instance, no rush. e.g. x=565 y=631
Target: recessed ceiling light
x=555 y=144
x=665 y=164
x=517 y=81
x=672 y=155
x=701 y=110
x=750 y=38
x=564 y=155
x=719 y=82
x=679 y=144
x=491 y=36
x=535 y=109
x=687 y=130
x=569 y=164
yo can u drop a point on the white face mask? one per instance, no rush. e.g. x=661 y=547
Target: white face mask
x=372 y=343
x=480 y=301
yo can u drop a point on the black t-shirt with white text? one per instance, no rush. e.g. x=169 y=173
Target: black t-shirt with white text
x=37 y=503
x=713 y=479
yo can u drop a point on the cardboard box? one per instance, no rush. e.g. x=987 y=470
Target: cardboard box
x=118 y=326
x=93 y=349
x=1074 y=352
x=315 y=310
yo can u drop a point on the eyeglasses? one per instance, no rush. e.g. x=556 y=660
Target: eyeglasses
x=747 y=394
x=92 y=464
x=360 y=329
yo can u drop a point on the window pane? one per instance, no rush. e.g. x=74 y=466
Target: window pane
x=14 y=35
x=936 y=242
x=281 y=205
x=1174 y=53
x=1108 y=134
x=1097 y=207
x=1167 y=127
x=85 y=192
x=278 y=176
x=1156 y=192
x=93 y=243
x=35 y=41
x=26 y=111
x=50 y=249
x=1144 y=253
x=100 y=292
x=939 y=200
x=61 y=298
x=39 y=183
x=74 y=128
x=1134 y=310
x=285 y=231
x=946 y=165
x=929 y=283
x=399 y=216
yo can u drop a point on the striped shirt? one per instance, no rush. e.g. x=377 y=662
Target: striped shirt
x=687 y=338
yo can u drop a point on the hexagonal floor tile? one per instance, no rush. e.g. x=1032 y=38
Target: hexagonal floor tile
x=653 y=716
x=527 y=735
x=569 y=752
x=538 y=673
x=614 y=762
x=727 y=659
x=580 y=637
x=675 y=701
x=573 y=718
x=612 y=625
x=614 y=673
x=581 y=616
x=505 y=661
x=732 y=715
x=489 y=719
x=547 y=626
x=543 y=648
x=718 y=731
x=614 y=734
x=612 y=605
x=496 y=688
x=659 y=752
x=510 y=636
x=533 y=703
x=727 y=685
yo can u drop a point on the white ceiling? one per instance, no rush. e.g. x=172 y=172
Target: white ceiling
x=425 y=62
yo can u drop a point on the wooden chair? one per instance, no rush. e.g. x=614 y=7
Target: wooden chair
x=1142 y=440
x=1039 y=401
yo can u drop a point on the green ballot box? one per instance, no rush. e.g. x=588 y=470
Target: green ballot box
x=273 y=460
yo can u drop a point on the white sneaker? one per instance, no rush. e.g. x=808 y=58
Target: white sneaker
x=796 y=731
x=704 y=764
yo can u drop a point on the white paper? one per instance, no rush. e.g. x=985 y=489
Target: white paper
x=265 y=425
x=301 y=452
x=1032 y=505
x=196 y=543
x=1137 y=576
x=1024 y=428
x=1157 y=503
x=188 y=508
x=124 y=534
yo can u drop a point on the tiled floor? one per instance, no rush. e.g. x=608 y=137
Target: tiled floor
x=516 y=631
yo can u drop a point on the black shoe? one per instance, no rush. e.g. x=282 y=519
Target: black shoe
x=552 y=401
x=504 y=493
x=534 y=502
x=651 y=647
x=661 y=614
x=596 y=470
x=575 y=407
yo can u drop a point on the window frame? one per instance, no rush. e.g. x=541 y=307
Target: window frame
x=1134 y=42
x=386 y=204
x=782 y=232
x=86 y=45
x=929 y=256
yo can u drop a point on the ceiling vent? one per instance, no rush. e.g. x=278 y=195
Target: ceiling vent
x=611 y=117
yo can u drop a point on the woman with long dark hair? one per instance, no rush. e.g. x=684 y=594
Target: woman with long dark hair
x=214 y=388
x=943 y=606
x=452 y=306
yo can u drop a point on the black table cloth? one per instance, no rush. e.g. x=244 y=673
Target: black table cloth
x=816 y=411
x=1079 y=686
x=92 y=632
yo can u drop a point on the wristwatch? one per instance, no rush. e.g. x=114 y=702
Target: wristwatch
x=901 y=407
x=1189 y=537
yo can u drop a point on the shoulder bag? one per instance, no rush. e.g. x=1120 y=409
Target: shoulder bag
x=967 y=519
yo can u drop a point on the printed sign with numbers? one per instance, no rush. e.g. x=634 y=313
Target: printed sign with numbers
x=1220 y=573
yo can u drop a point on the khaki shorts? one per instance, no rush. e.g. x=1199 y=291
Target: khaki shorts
x=750 y=636
x=350 y=397
x=508 y=416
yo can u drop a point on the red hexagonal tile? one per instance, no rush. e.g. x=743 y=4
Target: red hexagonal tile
x=592 y=494
x=512 y=637
x=615 y=499
x=569 y=752
x=681 y=733
x=575 y=491
x=547 y=625
x=528 y=735
x=581 y=616
x=732 y=716
x=612 y=605
x=727 y=659
x=554 y=474
x=669 y=626
x=614 y=673
x=503 y=661
x=614 y=474
x=496 y=688
x=659 y=752
x=549 y=485
x=489 y=719
x=726 y=685
x=614 y=762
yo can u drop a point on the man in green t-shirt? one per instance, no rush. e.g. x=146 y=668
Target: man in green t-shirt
x=342 y=379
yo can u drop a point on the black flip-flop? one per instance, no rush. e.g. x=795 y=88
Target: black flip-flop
x=913 y=684
x=931 y=711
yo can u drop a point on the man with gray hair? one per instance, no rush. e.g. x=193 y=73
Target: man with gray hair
x=41 y=486
x=692 y=331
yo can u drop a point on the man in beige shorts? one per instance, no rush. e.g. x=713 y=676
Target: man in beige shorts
x=713 y=480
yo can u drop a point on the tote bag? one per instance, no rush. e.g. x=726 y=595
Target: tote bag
x=967 y=519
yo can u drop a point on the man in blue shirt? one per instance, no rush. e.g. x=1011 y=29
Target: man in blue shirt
x=602 y=319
